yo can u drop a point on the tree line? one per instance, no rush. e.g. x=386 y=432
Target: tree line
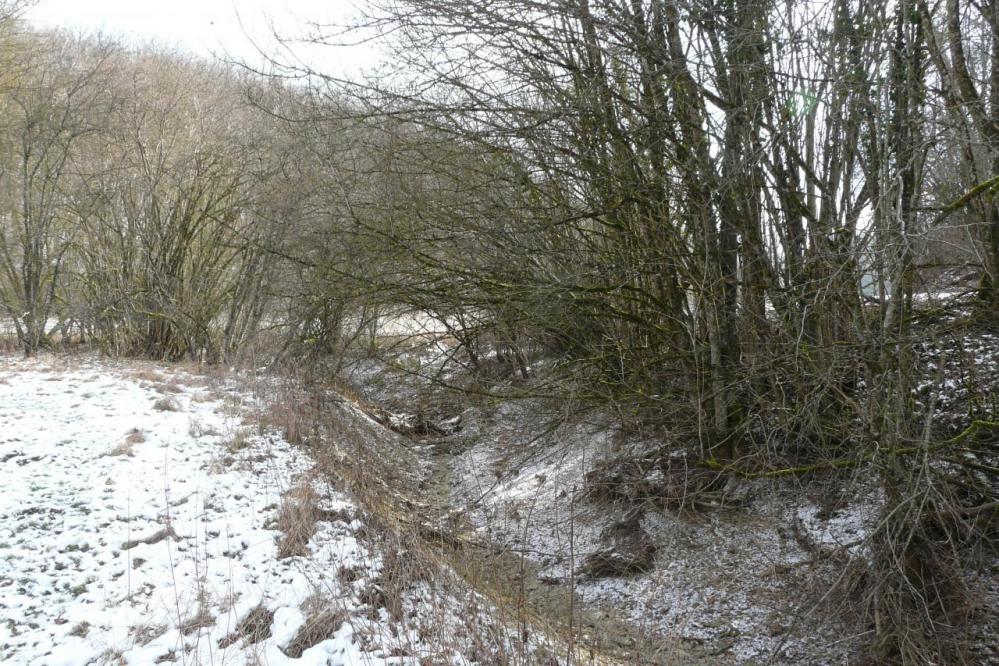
x=144 y=201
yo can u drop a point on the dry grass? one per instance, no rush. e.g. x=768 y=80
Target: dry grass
x=166 y=532
x=148 y=375
x=287 y=416
x=112 y=656
x=369 y=462
x=80 y=630
x=233 y=405
x=198 y=428
x=238 y=441
x=200 y=620
x=185 y=375
x=359 y=457
x=402 y=568
x=166 y=404
x=297 y=518
x=204 y=396
x=253 y=628
x=174 y=380
x=168 y=387
x=127 y=446
x=422 y=552
x=199 y=371
x=9 y=344
x=143 y=634
x=322 y=621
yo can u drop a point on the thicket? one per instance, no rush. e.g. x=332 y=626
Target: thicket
x=716 y=217
x=712 y=216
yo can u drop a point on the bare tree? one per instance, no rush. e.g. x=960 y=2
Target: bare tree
x=61 y=100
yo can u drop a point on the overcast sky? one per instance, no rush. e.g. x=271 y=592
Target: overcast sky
x=205 y=26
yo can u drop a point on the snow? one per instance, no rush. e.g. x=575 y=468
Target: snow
x=410 y=324
x=724 y=583
x=131 y=534
x=747 y=583
x=957 y=374
x=847 y=529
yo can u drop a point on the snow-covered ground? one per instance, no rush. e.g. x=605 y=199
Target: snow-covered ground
x=138 y=526
x=728 y=586
x=746 y=581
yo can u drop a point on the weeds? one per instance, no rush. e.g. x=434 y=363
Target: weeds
x=127 y=446
x=297 y=518
x=320 y=624
x=166 y=404
x=201 y=619
x=253 y=628
x=197 y=428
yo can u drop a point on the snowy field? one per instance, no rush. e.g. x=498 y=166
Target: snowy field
x=137 y=526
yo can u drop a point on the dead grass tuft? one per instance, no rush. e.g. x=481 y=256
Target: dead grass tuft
x=349 y=574
x=81 y=630
x=166 y=404
x=147 y=375
x=200 y=620
x=403 y=567
x=237 y=442
x=186 y=375
x=297 y=519
x=255 y=627
x=112 y=656
x=123 y=450
x=127 y=446
x=233 y=405
x=143 y=634
x=168 y=387
x=318 y=627
x=198 y=428
x=166 y=532
x=288 y=417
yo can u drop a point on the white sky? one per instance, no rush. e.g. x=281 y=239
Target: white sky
x=207 y=27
